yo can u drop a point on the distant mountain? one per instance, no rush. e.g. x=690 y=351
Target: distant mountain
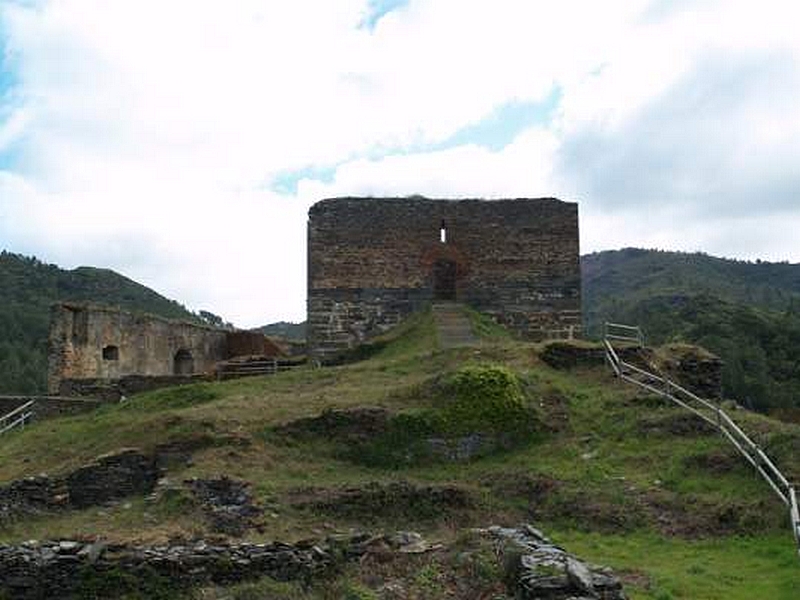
x=747 y=313
x=295 y=332
x=27 y=289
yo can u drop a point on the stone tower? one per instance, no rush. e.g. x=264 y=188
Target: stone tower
x=374 y=261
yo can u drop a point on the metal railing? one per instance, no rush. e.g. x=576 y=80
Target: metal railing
x=18 y=417
x=623 y=333
x=232 y=369
x=709 y=412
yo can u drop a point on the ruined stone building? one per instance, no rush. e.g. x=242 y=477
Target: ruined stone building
x=374 y=261
x=93 y=349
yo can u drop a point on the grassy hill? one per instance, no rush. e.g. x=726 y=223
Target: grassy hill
x=27 y=289
x=616 y=477
x=747 y=313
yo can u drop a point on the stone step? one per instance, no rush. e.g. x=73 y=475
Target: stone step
x=453 y=326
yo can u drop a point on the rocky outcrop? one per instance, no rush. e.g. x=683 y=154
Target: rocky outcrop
x=694 y=368
x=535 y=568
x=110 y=477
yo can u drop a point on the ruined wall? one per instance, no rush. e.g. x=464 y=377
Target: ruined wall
x=373 y=261
x=89 y=342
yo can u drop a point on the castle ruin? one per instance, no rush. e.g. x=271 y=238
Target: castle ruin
x=374 y=261
x=94 y=349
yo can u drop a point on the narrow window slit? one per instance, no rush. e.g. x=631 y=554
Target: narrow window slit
x=443 y=233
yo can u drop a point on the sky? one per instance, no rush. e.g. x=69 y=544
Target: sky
x=181 y=142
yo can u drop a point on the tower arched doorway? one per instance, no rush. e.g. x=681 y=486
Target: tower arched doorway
x=183 y=362
x=444 y=279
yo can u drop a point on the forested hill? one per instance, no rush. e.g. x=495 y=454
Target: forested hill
x=27 y=289
x=286 y=330
x=633 y=274
x=748 y=313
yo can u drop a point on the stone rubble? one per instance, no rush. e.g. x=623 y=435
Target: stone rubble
x=227 y=503
x=535 y=568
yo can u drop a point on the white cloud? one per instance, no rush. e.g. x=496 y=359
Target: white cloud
x=145 y=134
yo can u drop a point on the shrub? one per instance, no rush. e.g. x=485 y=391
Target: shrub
x=483 y=402
x=485 y=398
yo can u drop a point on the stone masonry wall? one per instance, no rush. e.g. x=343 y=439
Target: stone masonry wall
x=46 y=407
x=373 y=261
x=89 y=342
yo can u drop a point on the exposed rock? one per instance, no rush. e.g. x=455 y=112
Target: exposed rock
x=227 y=502
x=110 y=477
x=467 y=447
x=352 y=425
x=566 y=355
x=32 y=495
x=113 y=476
x=694 y=368
x=535 y=568
x=690 y=366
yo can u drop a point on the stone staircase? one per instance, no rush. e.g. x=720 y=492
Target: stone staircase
x=453 y=325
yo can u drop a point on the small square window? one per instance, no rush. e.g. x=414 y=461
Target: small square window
x=111 y=353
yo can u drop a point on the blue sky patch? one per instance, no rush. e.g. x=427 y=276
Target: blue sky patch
x=376 y=9
x=494 y=132
x=286 y=182
x=8 y=80
x=505 y=123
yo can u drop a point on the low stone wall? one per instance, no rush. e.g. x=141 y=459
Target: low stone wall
x=110 y=477
x=70 y=569
x=111 y=390
x=569 y=355
x=690 y=366
x=533 y=567
x=49 y=406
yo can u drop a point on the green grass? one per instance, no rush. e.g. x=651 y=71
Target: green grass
x=725 y=568
x=604 y=473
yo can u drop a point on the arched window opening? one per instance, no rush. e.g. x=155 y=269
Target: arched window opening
x=183 y=362
x=443 y=233
x=111 y=353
